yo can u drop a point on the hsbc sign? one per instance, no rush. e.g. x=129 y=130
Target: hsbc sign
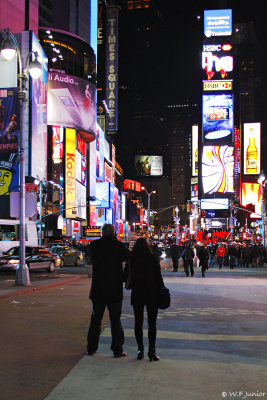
x=217 y=85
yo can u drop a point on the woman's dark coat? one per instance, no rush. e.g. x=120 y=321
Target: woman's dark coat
x=146 y=279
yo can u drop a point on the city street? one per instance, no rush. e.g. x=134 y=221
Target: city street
x=212 y=340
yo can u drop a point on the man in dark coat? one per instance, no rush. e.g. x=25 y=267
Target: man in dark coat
x=175 y=256
x=188 y=257
x=107 y=255
x=203 y=255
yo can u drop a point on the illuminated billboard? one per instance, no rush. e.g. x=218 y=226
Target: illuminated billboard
x=217 y=117
x=214 y=204
x=71 y=102
x=216 y=86
x=217 y=64
x=218 y=169
x=252 y=148
x=194 y=150
x=100 y=138
x=218 y=22
x=70 y=172
x=251 y=194
x=149 y=165
x=57 y=144
x=39 y=115
x=102 y=195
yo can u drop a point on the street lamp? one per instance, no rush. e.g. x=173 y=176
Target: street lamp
x=148 y=206
x=8 y=49
x=261 y=181
x=177 y=223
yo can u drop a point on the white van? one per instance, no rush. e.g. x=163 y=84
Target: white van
x=9 y=234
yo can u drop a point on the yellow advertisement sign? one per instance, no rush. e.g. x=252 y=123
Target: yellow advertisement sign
x=252 y=148
x=70 y=175
x=217 y=85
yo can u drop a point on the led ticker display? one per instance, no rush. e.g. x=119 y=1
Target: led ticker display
x=252 y=146
x=251 y=194
x=217 y=115
x=217 y=62
x=218 y=169
x=218 y=22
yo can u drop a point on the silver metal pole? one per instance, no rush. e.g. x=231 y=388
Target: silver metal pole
x=22 y=272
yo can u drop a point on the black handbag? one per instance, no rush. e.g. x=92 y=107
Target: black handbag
x=164 y=298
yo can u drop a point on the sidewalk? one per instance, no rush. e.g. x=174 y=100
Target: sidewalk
x=212 y=344
x=212 y=341
x=49 y=280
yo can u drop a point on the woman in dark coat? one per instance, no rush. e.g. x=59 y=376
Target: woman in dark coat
x=146 y=280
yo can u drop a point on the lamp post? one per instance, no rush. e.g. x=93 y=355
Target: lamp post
x=261 y=181
x=9 y=48
x=148 y=207
x=177 y=223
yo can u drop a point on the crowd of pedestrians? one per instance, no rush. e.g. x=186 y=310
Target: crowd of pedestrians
x=142 y=275
x=219 y=254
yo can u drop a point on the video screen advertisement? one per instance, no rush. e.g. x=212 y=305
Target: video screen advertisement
x=252 y=148
x=39 y=115
x=217 y=118
x=149 y=165
x=71 y=102
x=251 y=193
x=217 y=170
x=217 y=66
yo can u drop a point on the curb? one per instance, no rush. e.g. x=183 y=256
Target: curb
x=33 y=289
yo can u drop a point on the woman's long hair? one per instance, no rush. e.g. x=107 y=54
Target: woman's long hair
x=141 y=248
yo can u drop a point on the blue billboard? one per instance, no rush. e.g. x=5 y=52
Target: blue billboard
x=218 y=22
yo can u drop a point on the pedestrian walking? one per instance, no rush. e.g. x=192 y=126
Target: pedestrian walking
x=107 y=255
x=232 y=252
x=175 y=252
x=247 y=255
x=203 y=255
x=146 y=280
x=156 y=251
x=188 y=257
x=262 y=255
x=220 y=251
x=255 y=255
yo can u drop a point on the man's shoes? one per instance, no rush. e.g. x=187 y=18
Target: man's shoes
x=119 y=355
x=90 y=353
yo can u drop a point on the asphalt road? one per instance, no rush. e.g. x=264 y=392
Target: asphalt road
x=212 y=342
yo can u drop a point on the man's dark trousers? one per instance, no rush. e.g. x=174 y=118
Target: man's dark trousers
x=94 y=330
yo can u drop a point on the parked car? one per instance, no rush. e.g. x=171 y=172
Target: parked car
x=35 y=257
x=68 y=255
